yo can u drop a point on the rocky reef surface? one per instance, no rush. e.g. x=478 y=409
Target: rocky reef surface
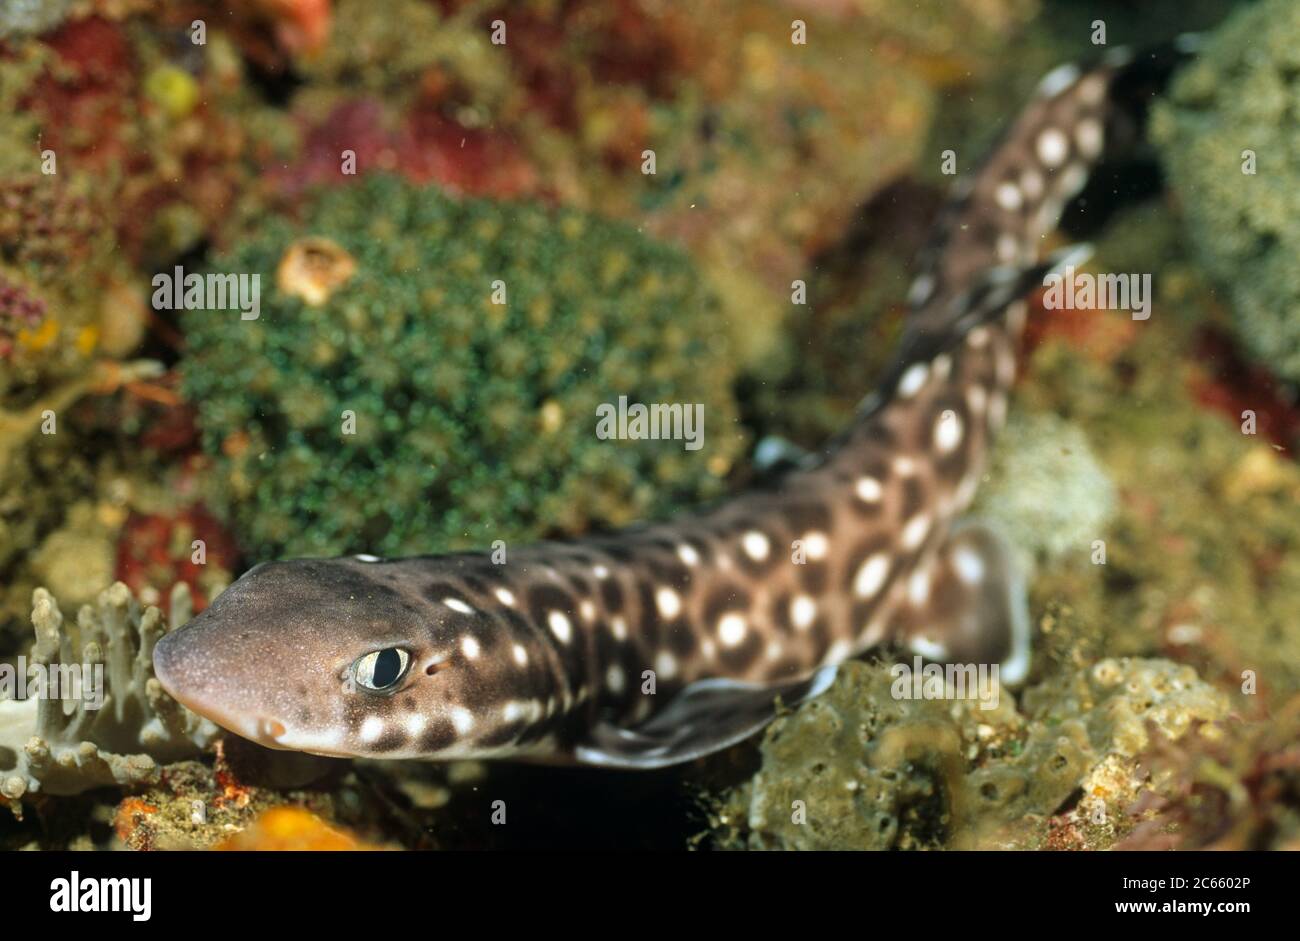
x=1147 y=476
x=1226 y=132
x=866 y=766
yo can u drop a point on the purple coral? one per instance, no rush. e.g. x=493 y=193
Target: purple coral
x=19 y=309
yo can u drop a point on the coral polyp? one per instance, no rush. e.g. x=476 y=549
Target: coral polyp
x=472 y=346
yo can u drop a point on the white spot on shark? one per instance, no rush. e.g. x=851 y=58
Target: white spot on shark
x=614 y=679
x=755 y=545
x=1053 y=147
x=803 y=611
x=913 y=379
x=669 y=602
x=560 y=626
x=914 y=532
x=947 y=431
x=816 y=545
x=968 y=565
x=462 y=719
x=918 y=587
x=1008 y=196
x=871 y=575
x=1090 y=137
x=868 y=489
x=904 y=466
x=666 y=665
x=731 y=629
x=927 y=648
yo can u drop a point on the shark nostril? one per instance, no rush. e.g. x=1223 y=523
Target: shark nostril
x=270 y=728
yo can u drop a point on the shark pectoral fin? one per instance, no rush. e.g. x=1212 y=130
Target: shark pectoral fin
x=703 y=718
x=969 y=606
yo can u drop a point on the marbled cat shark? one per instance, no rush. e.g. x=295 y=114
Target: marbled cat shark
x=739 y=609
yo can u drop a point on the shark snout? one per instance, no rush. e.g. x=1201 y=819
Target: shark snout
x=166 y=665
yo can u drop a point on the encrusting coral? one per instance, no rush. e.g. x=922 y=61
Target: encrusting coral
x=120 y=736
x=1226 y=134
x=863 y=768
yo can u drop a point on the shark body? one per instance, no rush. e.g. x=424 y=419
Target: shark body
x=659 y=644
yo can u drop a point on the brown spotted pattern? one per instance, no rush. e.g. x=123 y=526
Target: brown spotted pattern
x=521 y=658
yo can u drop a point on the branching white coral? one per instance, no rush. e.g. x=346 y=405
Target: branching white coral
x=62 y=746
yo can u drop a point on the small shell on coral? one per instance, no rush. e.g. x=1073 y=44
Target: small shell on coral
x=314 y=268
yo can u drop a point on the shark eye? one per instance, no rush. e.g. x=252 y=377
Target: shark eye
x=382 y=669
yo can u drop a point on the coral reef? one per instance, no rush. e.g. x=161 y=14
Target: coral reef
x=196 y=806
x=63 y=745
x=474 y=420
x=20 y=314
x=1047 y=492
x=859 y=768
x=77 y=459
x=775 y=162
x=571 y=103
x=1225 y=136
x=1201 y=560
x=1237 y=790
x=27 y=17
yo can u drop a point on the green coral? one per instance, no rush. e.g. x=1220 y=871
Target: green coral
x=860 y=768
x=1242 y=95
x=474 y=420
